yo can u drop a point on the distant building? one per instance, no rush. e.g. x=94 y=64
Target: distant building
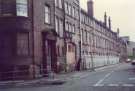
x=130 y=46
x=131 y=49
x=125 y=38
x=123 y=48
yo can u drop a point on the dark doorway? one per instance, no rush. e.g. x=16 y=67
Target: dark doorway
x=49 y=56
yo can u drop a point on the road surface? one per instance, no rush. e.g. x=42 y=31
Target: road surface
x=119 y=77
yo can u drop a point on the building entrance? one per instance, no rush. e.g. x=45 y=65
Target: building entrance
x=49 y=54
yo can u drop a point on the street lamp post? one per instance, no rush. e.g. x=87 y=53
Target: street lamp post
x=92 y=62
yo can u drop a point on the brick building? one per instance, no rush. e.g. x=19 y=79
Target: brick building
x=72 y=37
x=38 y=37
x=28 y=38
x=100 y=45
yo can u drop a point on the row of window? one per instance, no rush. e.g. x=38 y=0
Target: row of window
x=70 y=27
x=87 y=37
x=86 y=53
x=7 y=44
x=8 y=8
x=97 y=41
x=96 y=25
x=86 y=20
x=23 y=45
x=71 y=10
x=59 y=26
x=58 y=3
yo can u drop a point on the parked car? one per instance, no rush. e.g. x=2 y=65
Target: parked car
x=128 y=60
x=133 y=62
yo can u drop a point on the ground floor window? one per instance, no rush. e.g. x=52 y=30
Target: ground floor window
x=71 y=48
x=22 y=43
x=6 y=45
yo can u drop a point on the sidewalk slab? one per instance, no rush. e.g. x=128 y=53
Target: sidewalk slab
x=37 y=82
x=57 y=80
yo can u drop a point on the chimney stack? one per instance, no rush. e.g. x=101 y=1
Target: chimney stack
x=90 y=8
x=105 y=19
x=109 y=21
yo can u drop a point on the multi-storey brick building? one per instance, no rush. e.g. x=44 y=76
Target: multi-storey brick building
x=99 y=42
x=38 y=37
x=123 y=50
x=59 y=27
x=72 y=27
x=28 y=37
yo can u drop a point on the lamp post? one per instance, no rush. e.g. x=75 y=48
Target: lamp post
x=92 y=62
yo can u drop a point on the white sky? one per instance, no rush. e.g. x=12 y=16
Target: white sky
x=122 y=14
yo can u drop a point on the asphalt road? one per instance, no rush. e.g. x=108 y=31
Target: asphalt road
x=119 y=77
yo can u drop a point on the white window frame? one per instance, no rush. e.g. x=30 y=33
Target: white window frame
x=22 y=8
x=47 y=11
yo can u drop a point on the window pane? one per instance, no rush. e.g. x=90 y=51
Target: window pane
x=7 y=7
x=60 y=3
x=61 y=28
x=56 y=25
x=56 y=3
x=47 y=14
x=22 y=44
x=22 y=9
x=69 y=9
x=73 y=11
x=66 y=7
x=66 y=26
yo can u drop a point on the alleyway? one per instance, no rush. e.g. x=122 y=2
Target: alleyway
x=119 y=77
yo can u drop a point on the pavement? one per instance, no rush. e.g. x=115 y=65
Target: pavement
x=57 y=80
x=29 y=83
x=119 y=77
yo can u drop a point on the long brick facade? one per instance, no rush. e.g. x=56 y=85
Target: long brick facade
x=40 y=37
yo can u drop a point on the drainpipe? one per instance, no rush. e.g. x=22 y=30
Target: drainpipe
x=80 y=43
x=64 y=36
x=33 y=56
x=93 y=51
x=92 y=61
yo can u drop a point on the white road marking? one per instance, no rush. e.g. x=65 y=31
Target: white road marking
x=116 y=85
x=100 y=81
x=100 y=85
x=128 y=85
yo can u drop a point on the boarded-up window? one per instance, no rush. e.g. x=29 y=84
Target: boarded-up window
x=6 y=46
x=7 y=7
x=22 y=44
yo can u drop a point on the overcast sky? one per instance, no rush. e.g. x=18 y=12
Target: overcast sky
x=122 y=14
